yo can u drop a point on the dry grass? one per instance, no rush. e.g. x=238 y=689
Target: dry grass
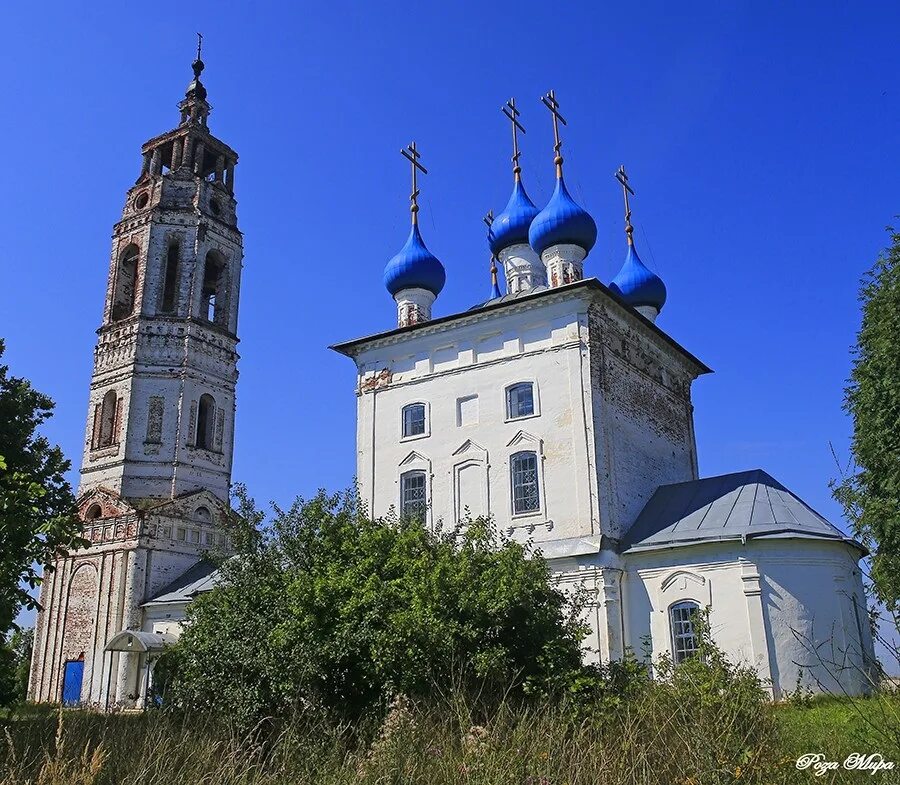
x=649 y=740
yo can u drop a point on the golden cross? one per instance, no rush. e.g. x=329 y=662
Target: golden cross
x=412 y=155
x=513 y=114
x=622 y=177
x=552 y=104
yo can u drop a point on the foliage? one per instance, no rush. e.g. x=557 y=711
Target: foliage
x=686 y=729
x=36 y=503
x=871 y=495
x=15 y=659
x=842 y=726
x=330 y=610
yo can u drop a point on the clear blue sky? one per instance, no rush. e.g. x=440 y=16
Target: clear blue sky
x=762 y=140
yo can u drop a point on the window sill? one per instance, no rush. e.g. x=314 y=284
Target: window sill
x=530 y=514
x=415 y=437
x=104 y=452
x=523 y=417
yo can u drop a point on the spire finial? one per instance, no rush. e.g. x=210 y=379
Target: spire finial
x=513 y=114
x=622 y=177
x=552 y=104
x=495 y=286
x=412 y=155
x=197 y=65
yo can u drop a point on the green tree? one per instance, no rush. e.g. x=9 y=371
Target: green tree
x=329 y=609
x=37 y=509
x=15 y=661
x=871 y=494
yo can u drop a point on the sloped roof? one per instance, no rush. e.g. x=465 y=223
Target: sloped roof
x=728 y=507
x=138 y=640
x=199 y=578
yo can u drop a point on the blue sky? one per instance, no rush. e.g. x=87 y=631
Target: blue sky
x=761 y=139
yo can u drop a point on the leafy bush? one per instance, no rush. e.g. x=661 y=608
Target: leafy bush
x=327 y=609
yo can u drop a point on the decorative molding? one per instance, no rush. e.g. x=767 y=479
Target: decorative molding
x=154 y=419
x=523 y=437
x=470 y=445
x=683 y=576
x=414 y=457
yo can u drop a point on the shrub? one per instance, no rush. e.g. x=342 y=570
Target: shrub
x=328 y=609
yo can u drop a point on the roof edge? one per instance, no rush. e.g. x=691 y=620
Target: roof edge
x=775 y=534
x=351 y=348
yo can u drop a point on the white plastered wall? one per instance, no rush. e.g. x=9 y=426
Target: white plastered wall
x=782 y=605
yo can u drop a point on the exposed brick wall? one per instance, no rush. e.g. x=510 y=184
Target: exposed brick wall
x=643 y=414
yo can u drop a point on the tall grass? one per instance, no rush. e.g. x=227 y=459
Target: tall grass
x=647 y=740
x=704 y=722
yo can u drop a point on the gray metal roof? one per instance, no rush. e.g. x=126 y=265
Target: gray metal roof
x=201 y=577
x=729 y=507
x=138 y=640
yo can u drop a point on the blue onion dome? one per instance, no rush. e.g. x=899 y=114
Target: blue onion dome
x=637 y=285
x=562 y=221
x=414 y=267
x=511 y=226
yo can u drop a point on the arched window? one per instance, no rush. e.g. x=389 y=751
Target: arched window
x=413 y=495
x=203 y=515
x=519 y=400
x=126 y=282
x=214 y=305
x=206 y=416
x=105 y=420
x=170 y=280
x=413 y=417
x=523 y=467
x=683 y=621
x=93 y=512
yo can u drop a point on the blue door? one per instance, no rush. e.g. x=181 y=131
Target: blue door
x=72 y=677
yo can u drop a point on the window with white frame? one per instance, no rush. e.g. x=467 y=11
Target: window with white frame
x=520 y=400
x=413 y=495
x=413 y=418
x=685 y=639
x=523 y=467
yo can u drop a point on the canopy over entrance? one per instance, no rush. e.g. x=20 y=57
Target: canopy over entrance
x=139 y=641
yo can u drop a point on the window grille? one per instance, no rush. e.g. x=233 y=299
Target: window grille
x=413 y=495
x=524 y=472
x=685 y=641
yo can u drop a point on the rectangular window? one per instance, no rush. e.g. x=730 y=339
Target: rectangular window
x=524 y=471
x=413 y=419
x=520 y=400
x=684 y=634
x=413 y=495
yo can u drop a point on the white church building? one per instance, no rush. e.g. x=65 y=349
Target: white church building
x=559 y=407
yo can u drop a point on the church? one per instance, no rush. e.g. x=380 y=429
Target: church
x=559 y=406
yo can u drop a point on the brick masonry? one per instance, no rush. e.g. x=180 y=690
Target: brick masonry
x=153 y=497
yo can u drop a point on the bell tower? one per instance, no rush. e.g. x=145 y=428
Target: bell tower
x=161 y=411
x=156 y=466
